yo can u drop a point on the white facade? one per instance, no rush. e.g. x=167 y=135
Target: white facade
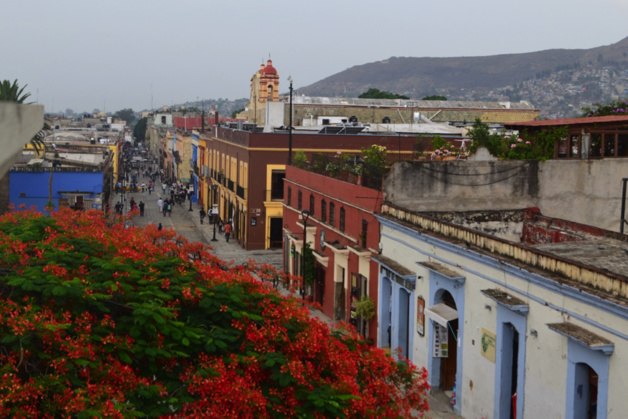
x=163 y=120
x=554 y=337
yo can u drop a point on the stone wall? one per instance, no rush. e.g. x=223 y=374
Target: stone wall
x=584 y=191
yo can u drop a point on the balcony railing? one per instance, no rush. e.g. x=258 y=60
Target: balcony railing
x=241 y=192
x=230 y=185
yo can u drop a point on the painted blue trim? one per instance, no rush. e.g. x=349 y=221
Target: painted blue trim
x=503 y=399
x=433 y=364
x=577 y=353
x=492 y=262
x=586 y=298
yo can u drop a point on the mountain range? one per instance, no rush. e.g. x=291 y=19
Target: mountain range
x=559 y=82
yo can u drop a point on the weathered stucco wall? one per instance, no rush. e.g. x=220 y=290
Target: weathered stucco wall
x=584 y=191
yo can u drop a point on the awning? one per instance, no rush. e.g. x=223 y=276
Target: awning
x=441 y=314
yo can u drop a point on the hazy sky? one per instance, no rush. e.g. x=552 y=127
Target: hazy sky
x=140 y=54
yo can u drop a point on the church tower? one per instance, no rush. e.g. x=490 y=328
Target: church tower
x=264 y=88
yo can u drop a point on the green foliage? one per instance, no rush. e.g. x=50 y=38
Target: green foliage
x=434 y=97
x=126 y=115
x=309 y=272
x=235 y=113
x=482 y=137
x=300 y=159
x=99 y=320
x=11 y=92
x=373 y=93
x=439 y=142
x=365 y=308
x=537 y=146
x=375 y=155
x=614 y=107
x=139 y=131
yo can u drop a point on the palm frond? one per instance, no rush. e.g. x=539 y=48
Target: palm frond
x=11 y=92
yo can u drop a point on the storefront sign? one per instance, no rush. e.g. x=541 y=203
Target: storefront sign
x=441 y=337
x=488 y=345
x=420 y=316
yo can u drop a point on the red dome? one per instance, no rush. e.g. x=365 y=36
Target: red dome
x=269 y=69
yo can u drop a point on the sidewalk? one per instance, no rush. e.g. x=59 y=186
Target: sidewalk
x=187 y=223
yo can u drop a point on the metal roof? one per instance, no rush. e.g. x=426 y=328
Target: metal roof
x=407 y=103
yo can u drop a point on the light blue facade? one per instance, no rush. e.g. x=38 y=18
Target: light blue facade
x=31 y=188
x=547 y=371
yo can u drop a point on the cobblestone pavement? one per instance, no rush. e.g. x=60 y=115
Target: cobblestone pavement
x=187 y=223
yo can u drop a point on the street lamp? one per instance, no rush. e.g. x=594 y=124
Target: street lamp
x=189 y=194
x=305 y=214
x=290 y=126
x=214 y=189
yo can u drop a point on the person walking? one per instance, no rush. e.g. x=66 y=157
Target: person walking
x=141 y=208
x=160 y=204
x=160 y=227
x=169 y=208
x=228 y=230
x=202 y=213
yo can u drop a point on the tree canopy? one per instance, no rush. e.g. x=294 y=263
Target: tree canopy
x=536 y=145
x=434 y=97
x=139 y=130
x=373 y=93
x=101 y=320
x=126 y=115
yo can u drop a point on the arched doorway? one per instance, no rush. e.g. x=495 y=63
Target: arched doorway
x=448 y=364
x=586 y=391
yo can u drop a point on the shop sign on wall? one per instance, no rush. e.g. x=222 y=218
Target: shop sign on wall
x=441 y=337
x=488 y=345
x=420 y=316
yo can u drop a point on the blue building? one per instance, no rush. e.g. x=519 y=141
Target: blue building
x=80 y=178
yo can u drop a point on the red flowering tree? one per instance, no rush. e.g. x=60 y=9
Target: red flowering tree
x=101 y=320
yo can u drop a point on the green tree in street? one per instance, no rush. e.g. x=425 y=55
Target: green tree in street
x=139 y=131
x=126 y=115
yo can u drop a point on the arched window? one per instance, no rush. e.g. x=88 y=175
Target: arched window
x=299 y=200
x=323 y=211
x=270 y=89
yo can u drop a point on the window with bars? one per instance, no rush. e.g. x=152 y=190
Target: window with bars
x=311 y=205
x=332 y=213
x=363 y=233
x=289 y=198
x=323 y=211
x=299 y=200
x=341 y=225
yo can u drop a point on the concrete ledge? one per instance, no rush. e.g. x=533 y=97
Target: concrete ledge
x=18 y=124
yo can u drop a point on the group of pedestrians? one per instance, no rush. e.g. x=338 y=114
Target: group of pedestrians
x=178 y=193
x=165 y=206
